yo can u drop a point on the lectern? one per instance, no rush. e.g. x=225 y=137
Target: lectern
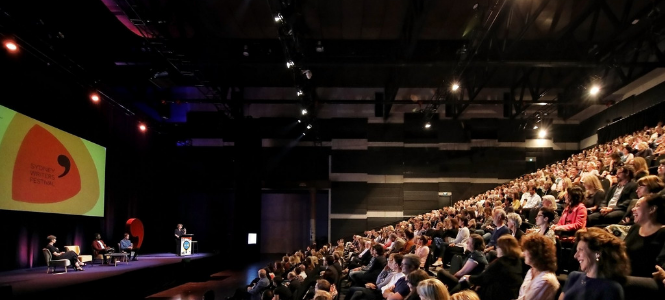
x=185 y=248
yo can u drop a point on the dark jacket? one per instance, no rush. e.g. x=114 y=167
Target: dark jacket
x=375 y=268
x=628 y=193
x=501 y=280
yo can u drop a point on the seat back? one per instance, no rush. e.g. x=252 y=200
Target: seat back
x=74 y=248
x=47 y=256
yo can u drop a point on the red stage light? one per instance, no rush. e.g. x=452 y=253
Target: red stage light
x=143 y=128
x=94 y=97
x=11 y=46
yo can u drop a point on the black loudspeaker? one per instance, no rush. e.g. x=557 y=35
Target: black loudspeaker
x=378 y=104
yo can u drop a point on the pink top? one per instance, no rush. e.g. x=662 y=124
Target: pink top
x=573 y=219
x=422 y=252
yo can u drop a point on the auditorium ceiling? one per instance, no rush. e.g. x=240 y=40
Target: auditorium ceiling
x=512 y=59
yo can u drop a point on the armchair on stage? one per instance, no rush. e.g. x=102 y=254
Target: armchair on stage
x=52 y=263
x=77 y=249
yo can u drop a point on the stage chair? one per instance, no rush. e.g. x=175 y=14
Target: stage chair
x=52 y=263
x=77 y=249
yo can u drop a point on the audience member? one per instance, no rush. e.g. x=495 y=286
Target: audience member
x=617 y=199
x=432 y=289
x=645 y=241
x=540 y=282
x=574 y=214
x=604 y=266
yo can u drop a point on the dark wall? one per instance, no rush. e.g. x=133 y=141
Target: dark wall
x=625 y=109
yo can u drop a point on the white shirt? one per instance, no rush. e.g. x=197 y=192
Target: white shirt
x=542 y=287
x=531 y=200
x=392 y=281
x=615 y=198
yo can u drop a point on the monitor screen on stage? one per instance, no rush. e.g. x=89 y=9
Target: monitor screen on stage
x=44 y=169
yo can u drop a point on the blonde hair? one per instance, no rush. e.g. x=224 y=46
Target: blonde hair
x=640 y=164
x=432 y=289
x=465 y=295
x=592 y=180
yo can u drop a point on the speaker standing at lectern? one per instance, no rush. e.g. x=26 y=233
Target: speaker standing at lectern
x=179 y=231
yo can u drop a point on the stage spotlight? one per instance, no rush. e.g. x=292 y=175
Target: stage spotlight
x=309 y=126
x=245 y=52
x=11 y=46
x=303 y=133
x=455 y=87
x=594 y=90
x=635 y=21
x=279 y=18
x=428 y=125
x=542 y=133
x=319 y=47
x=94 y=97
x=142 y=127
x=289 y=64
x=535 y=127
x=304 y=111
x=299 y=93
x=299 y=121
x=307 y=73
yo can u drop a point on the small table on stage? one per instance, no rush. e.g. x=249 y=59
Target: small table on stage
x=115 y=256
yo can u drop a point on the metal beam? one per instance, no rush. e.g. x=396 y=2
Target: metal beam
x=371 y=102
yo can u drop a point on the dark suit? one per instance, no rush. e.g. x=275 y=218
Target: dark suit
x=373 y=270
x=628 y=193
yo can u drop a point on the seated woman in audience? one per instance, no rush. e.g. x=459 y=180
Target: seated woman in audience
x=474 y=262
x=432 y=289
x=604 y=265
x=422 y=250
x=514 y=223
x=503 y=277
x=645 y=240
x=627 y=157
x=641 y=168
x=465 y=295
x=540 y=282
x=594 y=193
x=56 y=254
x=389 y=276
x=574 y=215
x=550 y=202
x=643 y=150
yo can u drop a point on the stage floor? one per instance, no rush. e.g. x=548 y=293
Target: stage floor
x=26 y=283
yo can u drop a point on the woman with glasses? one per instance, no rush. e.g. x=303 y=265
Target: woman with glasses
x=543 y=221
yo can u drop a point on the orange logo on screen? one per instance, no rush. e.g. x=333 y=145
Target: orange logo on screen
x=44 y=171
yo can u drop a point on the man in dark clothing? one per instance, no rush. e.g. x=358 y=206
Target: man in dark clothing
x=281 y=291
x=617 y=199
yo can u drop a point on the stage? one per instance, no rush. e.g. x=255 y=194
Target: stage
x=134 y=280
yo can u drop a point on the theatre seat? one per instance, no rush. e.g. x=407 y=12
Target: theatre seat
x=52 y=263
x=77 y=250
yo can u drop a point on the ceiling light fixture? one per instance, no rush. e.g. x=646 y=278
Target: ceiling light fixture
x=309 y=126
x=428 y=125
x=299 y=93
x=279 y=18
x=304 y=111
x=635 y=21
x=542 y=133
x=94 y=97
x=142 y=127
x=245 y=52
x=535 y=127
x=319 y=47
x=594 y=90
x=289 y=64
x=455 y=86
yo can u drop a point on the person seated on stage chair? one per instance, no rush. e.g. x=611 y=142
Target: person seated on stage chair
x=100 y=247
x=127 y=246
x=70 y=255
